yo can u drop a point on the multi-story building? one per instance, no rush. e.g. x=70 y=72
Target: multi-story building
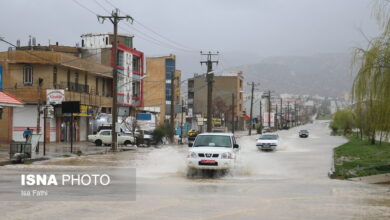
x=158 y=85
x=224 y=87
x=130 y=62
x=31 y=73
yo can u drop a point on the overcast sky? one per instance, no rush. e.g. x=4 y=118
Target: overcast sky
x=244 y=31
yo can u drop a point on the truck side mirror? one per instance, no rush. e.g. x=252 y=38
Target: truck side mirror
x=236 y=146
x=190 y=144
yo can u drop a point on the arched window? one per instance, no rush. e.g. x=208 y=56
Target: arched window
x=27 y=75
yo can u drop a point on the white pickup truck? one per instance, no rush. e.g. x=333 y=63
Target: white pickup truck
x=104 y=137
x=212 y=151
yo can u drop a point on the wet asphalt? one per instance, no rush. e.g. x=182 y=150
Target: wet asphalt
x=289 y=183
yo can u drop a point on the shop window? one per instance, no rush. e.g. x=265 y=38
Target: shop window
x=28 y=75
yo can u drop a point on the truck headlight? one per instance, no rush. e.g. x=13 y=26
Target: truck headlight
x=192 y=155
x=227 y=155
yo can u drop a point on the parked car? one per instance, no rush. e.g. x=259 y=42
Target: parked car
x=104 y=137
x=144 y=136
x=303 y=133
x=213 y=151
x=267 y=142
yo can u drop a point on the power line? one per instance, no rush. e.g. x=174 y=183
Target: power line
x=155 y=32
x=146 y=36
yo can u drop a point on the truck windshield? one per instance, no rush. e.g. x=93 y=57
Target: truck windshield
x=213 y=141
x=268 y=137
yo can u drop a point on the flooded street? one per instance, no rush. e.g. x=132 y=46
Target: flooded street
x=290 y=183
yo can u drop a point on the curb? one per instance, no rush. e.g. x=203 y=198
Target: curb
x=374 y=179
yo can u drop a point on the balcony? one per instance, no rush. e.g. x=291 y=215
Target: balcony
x=73 y=87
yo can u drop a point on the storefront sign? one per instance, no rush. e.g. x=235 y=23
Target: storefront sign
x=85 y=111
x=55 y=96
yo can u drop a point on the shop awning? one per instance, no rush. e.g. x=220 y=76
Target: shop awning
x=9 y=101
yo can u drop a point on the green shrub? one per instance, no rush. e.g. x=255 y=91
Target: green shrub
x=164 y=130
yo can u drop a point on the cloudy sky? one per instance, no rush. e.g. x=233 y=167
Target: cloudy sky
x=243 y=31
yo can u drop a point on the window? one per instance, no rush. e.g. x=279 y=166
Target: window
x=68 y=79
x=120 y=58
x=28 y=75
x=82 y=43
x=105 y=133
x=76 y=78
x=213 y=141
x=106 y=40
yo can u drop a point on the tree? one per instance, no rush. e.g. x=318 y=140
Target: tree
x=371 y=87
x=343 y=120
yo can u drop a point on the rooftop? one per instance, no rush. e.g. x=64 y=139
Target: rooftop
x=56 y=58
x=105 y=33
x=8 y=100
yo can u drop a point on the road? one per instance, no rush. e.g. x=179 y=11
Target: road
x=290 y=183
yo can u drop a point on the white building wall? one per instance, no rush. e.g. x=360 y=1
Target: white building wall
x=27 y=117
x=83 y=128
x=96 y=41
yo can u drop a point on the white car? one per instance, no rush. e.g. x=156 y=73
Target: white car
x=267 y=142
x=104 y=137
x=213 y=151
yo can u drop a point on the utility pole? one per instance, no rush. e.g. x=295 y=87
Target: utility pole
x=269 y=109
x=276 y=116
x=298 y=118
x=288 y=115
x=40 y=82
x=114 y=18
x=251 y=110
x=172 y=115
x=261 y=118
x=295 y=113
x=233 y=118
x=281 y=113
x=44 y=130
x=181 y=126
x=209 y=62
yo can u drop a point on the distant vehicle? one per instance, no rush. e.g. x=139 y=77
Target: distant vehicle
x=192 y=135
x=267 y=142
x=217 y=122
x=147 y=136
x=104 y=137
x=303 y=133
x=213 y=151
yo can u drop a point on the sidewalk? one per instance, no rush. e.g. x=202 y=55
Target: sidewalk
x=58 y=150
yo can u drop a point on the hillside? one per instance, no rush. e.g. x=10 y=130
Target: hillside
x=323 y=74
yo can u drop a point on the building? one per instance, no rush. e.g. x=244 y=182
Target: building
x=7 y=103
x=37 y=74
x=224 y=87
x=97 y=47
x=157 y=86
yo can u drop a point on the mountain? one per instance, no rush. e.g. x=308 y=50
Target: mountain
x=321 y=74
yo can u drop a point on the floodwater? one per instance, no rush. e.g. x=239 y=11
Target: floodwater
x=290 y=183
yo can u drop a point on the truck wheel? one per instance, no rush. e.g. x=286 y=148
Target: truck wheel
x=127 y=142
x=98 y=143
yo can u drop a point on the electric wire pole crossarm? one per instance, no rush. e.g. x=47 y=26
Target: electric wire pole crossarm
x=114 y=18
